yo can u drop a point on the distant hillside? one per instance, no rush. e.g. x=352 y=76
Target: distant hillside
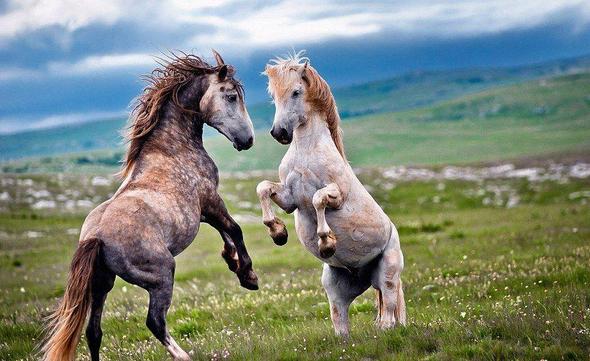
x=403 y=92
x=536 y=117
x=423 y=88
x=532 y=118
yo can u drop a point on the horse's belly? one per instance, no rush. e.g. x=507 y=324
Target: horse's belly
x=357 y=243
x=182 y=234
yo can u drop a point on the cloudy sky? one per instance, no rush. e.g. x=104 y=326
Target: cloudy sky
x=69 y=61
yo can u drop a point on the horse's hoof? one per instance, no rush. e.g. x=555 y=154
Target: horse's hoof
x=280 y=239
x=277 y=231
x=327 y=251
x=327 y=245
x=249 y=280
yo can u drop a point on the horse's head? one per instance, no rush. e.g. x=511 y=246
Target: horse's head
x=288 y=86
x=223 y=108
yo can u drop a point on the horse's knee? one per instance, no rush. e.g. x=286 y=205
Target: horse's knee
x=319 y=200
x=263 y=189
x=393 y=261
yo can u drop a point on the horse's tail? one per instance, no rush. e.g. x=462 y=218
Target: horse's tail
x=66 y=322
x=378 y=303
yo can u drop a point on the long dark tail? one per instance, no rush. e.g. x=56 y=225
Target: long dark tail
x=65 y=324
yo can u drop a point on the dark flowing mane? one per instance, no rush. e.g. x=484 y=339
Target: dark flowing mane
x=164 y=84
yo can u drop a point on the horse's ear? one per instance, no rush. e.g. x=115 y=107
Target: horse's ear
x=218 y=58
x=303 y=70
x=222 y=73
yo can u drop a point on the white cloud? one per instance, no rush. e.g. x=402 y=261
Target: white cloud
x=469 y=18
x=10 y=74
x=306 y=21
x=239 y=27
x=100 y=63
x=12 y=125
x=94 y=64
x=288 y=22
x=24 y=16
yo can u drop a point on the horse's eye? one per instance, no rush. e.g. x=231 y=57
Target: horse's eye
x=296 y=93
x=232 y=98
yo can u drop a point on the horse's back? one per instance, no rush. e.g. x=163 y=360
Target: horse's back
x=92 y=222
x=139 y=225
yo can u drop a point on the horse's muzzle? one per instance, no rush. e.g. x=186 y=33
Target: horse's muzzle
x=281 y=135
x=239 y=145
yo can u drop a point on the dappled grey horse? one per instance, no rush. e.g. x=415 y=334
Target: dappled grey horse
x=336 y=219
x=170 y=186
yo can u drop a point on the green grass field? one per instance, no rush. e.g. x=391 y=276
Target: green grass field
x=497 y=256
x=496 y=268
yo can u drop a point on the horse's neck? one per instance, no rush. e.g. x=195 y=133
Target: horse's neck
x=176 y=130
x=312 y=134
x=175 y=137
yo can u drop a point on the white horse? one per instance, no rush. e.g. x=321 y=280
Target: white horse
x=336 y=219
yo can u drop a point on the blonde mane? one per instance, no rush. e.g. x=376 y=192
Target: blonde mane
x=318 y=94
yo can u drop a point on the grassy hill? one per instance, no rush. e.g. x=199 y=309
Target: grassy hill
x=408 y=91
x=535 y=117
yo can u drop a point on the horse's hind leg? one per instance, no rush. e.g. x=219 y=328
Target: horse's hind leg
x=152 y=269
x=342 y=287
x=386 y=279
x=160 y=300
x=102 y=283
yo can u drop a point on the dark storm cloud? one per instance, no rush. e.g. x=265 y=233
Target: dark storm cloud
x=62 y=58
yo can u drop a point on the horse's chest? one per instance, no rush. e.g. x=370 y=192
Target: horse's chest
x=303 y=184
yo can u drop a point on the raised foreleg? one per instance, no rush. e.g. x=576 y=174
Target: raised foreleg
x=329 y=196
x=234 y=250
x=283 y=198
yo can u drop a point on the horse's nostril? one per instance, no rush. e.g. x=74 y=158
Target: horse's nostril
x=250 y=141
x=284 y=134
